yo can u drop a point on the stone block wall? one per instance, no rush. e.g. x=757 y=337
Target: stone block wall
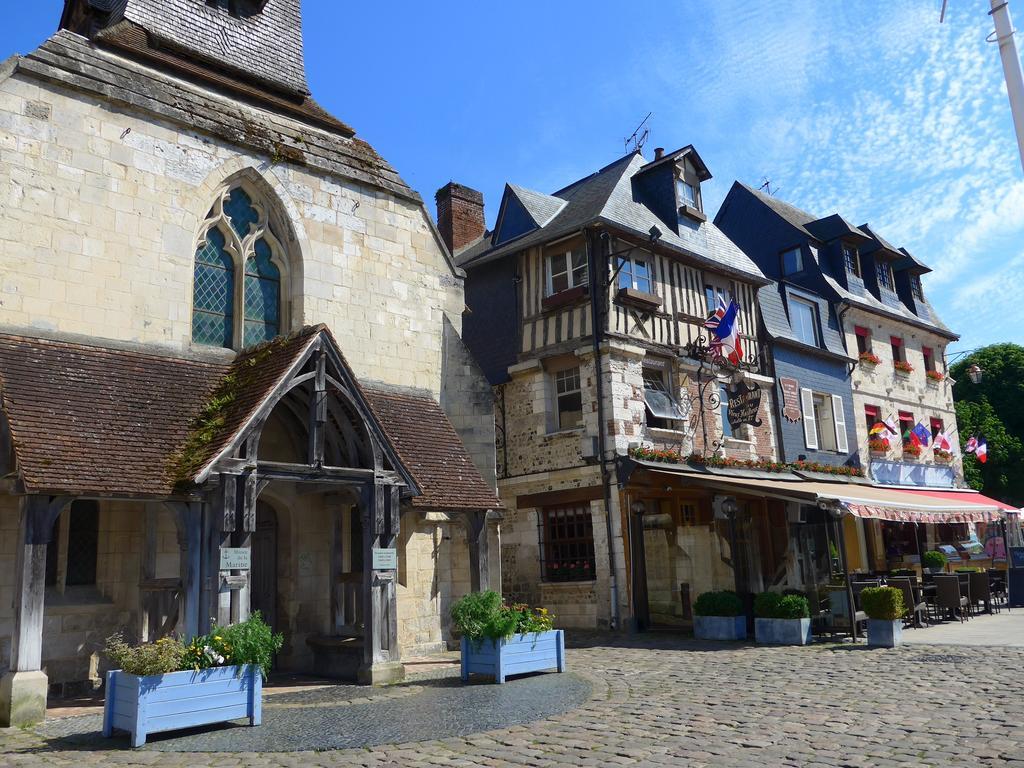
x=102 y=209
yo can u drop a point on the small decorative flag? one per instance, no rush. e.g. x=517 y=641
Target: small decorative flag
x=724 y=325
x=981 y=451
x=891 y=426
x=877 y=428
x=941 y=442
x=972 y=444
x=910 y=436
x=922 y=433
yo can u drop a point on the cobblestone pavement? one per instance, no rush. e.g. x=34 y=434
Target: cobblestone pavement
x=665 y=701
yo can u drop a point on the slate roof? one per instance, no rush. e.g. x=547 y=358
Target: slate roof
x=112 y=422
x=542 y=208
x=772 y=301
x=430 y=448
x=607 y=197
x=857 y=294
x=265 y=46
x=70 y=60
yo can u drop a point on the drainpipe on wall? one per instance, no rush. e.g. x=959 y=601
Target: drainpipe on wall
x=598 y=295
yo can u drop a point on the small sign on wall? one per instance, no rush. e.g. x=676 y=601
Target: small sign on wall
x=790 y=398
x=235 y=558
x=744 y=403
x=385 y=559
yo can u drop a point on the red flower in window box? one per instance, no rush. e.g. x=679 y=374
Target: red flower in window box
x=878 y=445
x=903 y=366
x=935 y=376
x=869 y=358
x=912 y=451
x=942 y=457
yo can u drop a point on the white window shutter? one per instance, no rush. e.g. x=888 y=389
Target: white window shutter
x=810 y=433
x=839 y=419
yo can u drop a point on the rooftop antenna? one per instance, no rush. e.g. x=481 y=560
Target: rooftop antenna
x=637 y=138
x=1003 y=35
x=766 y=186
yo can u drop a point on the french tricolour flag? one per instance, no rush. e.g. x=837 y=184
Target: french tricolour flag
x=724 y=325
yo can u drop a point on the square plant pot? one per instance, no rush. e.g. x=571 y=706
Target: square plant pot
x=516 y=655
x=783 y=631
x=720 y=627
x=149 y=704
x=883 y=633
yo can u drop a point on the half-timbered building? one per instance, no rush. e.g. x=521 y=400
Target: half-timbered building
x=229 y=336
x=587 y=311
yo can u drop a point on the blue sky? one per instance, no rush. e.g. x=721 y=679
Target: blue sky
x=871 y=109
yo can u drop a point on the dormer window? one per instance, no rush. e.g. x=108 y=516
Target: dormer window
x=850 y=258
x=884 y=272
x=687 y=193
x=792 y=261
x=916 y=287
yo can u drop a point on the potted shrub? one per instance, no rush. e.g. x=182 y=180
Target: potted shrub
x=869 y=359
x=782 y=619
x=167 y=685
x=933 y=561
x=502 y=640
x=903 y=367
x=719 y=616
x=884 y=607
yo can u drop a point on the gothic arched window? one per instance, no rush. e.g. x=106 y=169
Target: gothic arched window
x=237 y=298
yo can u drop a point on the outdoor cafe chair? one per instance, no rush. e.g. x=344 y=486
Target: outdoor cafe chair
x=965 y=590
x=915 y=605
x=981 y=591
x=997 y=587
x=948 y=597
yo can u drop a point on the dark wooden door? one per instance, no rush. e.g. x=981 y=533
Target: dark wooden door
x=263 y=596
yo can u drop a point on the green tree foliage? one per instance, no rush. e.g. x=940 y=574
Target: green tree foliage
x=995 y=409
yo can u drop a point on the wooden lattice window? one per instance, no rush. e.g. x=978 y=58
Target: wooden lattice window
x=567 y=543
x=72 y=552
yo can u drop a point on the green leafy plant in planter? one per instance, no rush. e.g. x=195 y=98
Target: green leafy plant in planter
x=933 y=559
x=724 y=603
x=775 y=605
x=484 y=616
x=883 y=603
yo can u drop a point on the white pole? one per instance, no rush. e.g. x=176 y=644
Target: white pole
x=1011 y=67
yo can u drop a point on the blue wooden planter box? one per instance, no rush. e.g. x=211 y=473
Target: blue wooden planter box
x=144 y=705
x=783 y=631
x=720 y=627
x=883 y=633
x=515 y=655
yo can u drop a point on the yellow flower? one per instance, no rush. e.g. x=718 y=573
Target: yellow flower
x=216 y=637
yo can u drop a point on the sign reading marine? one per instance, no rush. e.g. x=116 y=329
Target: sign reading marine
x=744 y=403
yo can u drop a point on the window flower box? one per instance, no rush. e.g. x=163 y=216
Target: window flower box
x=149 y=704
x=942 y=457
x=516 y=655
x=911 y=452
x=934 y=377
x=878 y=448
x=903 y=367
x=869 y=360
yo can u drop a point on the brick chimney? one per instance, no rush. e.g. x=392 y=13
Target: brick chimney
x=460 y=215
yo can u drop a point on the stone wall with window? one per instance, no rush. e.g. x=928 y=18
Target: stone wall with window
x=883 y=389
x=89 y=184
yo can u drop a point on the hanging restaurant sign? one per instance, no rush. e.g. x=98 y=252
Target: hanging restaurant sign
x=744 y=403
x=790 y=398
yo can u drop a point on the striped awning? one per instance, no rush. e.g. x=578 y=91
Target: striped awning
x=908 y=515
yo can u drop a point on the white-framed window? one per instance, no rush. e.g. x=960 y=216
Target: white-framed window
x=686 y=193
x=803 y=318
x=824 y=421
x=661 y=404
x=792 y=261
x=568 y=398
x=566 y=269
x=712 y=290
x=635 y=273
x=883 y=270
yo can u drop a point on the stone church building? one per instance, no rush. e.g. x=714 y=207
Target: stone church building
x=225 y=322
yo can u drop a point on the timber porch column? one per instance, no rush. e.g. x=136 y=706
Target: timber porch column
x=23 y=688
x=380 y=601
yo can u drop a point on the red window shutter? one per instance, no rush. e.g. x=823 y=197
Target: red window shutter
x=896 y=341
x=871 y=410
